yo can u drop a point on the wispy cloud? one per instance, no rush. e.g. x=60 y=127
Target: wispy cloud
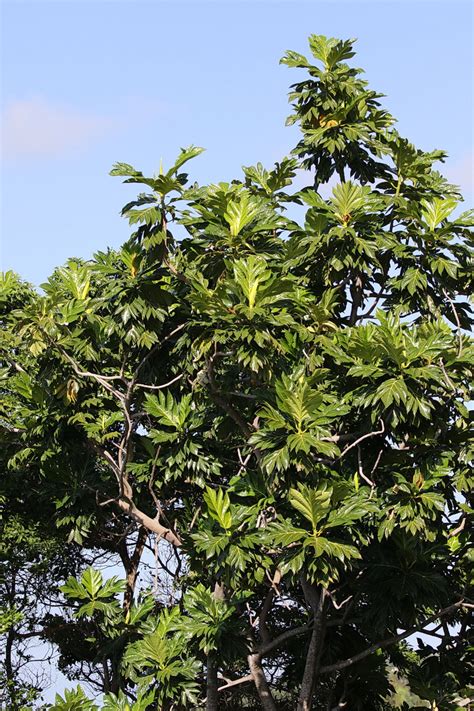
x=461 y=172
x=37 y=127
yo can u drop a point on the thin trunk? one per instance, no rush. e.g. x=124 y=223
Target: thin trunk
x=356 y=295
x=105 y=670
x=305 y=700
x=261 y=684
x=212 y=698
x=8 y=655
x=131 y=564
x=132 y=569
x=10 y=676
x=262 y=618
x=254 y=659
x=316 y=601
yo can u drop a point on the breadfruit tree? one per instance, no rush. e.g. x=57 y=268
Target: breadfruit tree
x=257 y=408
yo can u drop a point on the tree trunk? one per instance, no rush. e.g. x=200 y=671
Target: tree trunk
x=316 y=602
x=212 y=698
x=131 y=565
x=307 y=685
x=8 y=655
x=10 y=675
x=131 y=569
x=357 y=297
x=106 y=676
x=261 y=684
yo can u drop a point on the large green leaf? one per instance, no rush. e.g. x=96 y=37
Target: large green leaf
x=218 y=504
x=250 y=274
x=330 y=50
x=185 y=155
x=312 y=503
x=436 y=210
x=241 y=211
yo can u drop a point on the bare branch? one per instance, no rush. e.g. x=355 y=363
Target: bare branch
x=337 y=605
x=19 y=368
x=361 y=439
x=456 y=318
x=361 y=469
x=278 y=641
x=377 y=297
x=103 y=380
x=194 y=518
x=459 y=528
x=160 y=387
x=151 y=524
x=236 y=682
x=337 y=666
x=377 y=461
x=125 y=503
x=357 y=295
x=156 y=347
x=449 y=382
x=152 y=481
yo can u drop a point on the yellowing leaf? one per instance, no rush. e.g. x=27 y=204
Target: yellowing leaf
x=72 y=389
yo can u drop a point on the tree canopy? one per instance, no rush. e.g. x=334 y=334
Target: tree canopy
x=257 y=412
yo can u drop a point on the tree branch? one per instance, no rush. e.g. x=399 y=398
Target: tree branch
x=126 y=504
x=456 y=318
x=236 y=682
x=156 y=347
x=289 y=634
x=361 y=439
x=262 y=618
x=357 y=298
x=337 y=666
x=160 y=387
x=101 y=379
x=219 y=400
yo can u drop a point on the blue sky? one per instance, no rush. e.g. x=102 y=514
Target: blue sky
x=87 y=83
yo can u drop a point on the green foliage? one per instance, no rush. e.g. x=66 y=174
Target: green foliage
x=265 y=420
x=92 y=588
x=120 y=702
x=161 y=662
x=315 y=550
x=73 y=700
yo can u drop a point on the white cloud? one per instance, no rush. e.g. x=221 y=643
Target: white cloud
x=461 y=172
x=37 y=127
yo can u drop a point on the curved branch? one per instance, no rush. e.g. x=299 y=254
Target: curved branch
x=361 y=439
x=156 y=347
x=295 y=632
x=236 y=682
x=458 y=323
x=151 y=524
x=337 y=666
x=160 y=387
x=125 y=502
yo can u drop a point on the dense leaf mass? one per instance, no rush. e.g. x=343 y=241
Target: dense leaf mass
x=257 y=411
